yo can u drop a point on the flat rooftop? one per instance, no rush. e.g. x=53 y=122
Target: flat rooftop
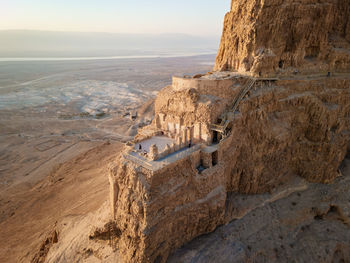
x=160 y=141
x=217 y=75
x=136 y=157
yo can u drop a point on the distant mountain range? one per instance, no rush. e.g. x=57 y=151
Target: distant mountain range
x=29 y=43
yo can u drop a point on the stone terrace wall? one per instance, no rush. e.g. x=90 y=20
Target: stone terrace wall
x=159 y=212
x=221 y=88
x=292 y=127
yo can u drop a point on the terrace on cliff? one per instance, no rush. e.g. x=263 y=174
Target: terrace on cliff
x=193 y=124
x=278 y=109
x=217 y=134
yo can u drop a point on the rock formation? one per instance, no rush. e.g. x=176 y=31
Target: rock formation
x=311 y=223
x=281 y=36
x=234 y=133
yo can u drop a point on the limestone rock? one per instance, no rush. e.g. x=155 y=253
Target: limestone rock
x=277 y=36
x=310 y=225
x=153 y=153
x=283 y=128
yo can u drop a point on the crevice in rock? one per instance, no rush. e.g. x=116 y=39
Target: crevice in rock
x=280 y=64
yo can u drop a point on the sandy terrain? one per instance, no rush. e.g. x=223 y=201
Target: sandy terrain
x=54 y=188
x=61 y=123
x=72 y=189
x=51 y=111
x=293 y=223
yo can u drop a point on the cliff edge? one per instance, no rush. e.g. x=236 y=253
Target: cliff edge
x=283 y=36
x=276 y=109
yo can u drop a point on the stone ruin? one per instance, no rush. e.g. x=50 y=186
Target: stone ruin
x=147 y=189
x=238 y=131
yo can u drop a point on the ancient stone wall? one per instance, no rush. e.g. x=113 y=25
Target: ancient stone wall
x=157 y=212
x=298 y=127
x=182 y=106
x=219 y=88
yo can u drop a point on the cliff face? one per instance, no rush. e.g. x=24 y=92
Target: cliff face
x=311 y=225
x=294 y=126
x=157 y=212
x=254 y=136
x=282 y=36
x=283 y=129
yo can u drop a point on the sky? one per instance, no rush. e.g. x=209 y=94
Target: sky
x=194 y=17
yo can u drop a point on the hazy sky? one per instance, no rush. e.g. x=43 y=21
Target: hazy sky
x=197 y=17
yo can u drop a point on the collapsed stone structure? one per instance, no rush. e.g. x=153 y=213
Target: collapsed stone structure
x=243 y=130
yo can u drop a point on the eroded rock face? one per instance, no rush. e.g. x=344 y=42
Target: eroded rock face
x=282 y=36
x=296 y=125
x=157 y=212
x=309 y=225
x=284 y=129
x=299 y=127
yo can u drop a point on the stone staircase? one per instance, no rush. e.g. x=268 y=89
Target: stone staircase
x=221 y=128
x=246 y=88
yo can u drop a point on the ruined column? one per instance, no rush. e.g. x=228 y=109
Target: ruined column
x=206 y=134
x=172 y=148
x=162 y=121
x=157 y=122
x=153 y=153
x=197 y=131
x=190 y=134
x=177 y=125
x=181 y=122
x=167 y=150
x=171 y=127
x=184 y=137
x=178 y=143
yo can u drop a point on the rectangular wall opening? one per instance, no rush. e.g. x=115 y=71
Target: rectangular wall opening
x=215 y=158
x=200 y=167
x=215 y=137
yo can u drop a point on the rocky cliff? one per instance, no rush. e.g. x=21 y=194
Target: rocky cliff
x=310 y=225
x=287 y=129
x=293 y=125
x=283 y=36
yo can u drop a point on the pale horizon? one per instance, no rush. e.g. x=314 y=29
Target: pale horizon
x=111 y=33
x=197 y=18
